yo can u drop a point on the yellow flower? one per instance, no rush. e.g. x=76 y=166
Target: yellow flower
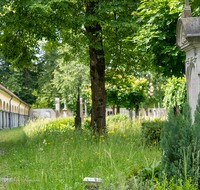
x=124 y=135
x=159 y=148
x=93 y=136
x=71 y=138
x=49 y=143
x=101 y=136
x=103 y=141
x=81 y=160
x=85 y=139
x=65 y=142
x=154 y=142
x=127 y=159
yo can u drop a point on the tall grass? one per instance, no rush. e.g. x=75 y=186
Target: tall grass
x=59 y=157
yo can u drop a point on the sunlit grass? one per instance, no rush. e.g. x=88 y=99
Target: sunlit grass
x=60 y=157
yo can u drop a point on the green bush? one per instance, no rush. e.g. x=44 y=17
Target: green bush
x=87 y=123
x=146 y=172
x=117 y=118
x=151 y=130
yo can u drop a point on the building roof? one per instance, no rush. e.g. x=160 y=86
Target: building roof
x=12 y=94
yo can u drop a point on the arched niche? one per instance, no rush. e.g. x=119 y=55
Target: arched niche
x=4 y=106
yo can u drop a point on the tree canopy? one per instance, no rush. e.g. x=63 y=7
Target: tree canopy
x=156 y=35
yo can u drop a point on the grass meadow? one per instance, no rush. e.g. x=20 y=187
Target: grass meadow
x=50 y=154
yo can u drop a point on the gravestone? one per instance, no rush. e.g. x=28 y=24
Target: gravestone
x=57 y=100
x=86 y=115
x=130 y=115
x=65 y=109
x=188 y=40
x=78 y=118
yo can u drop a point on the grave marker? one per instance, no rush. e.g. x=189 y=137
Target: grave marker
x=188 y=40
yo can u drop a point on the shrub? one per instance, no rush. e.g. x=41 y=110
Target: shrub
x=117 y=118
x=87 y=123
x=151 y=130
x=178 y=146
x=146 y=172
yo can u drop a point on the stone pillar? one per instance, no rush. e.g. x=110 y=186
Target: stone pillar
x=57 y=100
x=188 y=40
x=86 y=115
x=1 y=119
x=154 y=112
x=7 y=120
x=81 y=110
x=65 y=109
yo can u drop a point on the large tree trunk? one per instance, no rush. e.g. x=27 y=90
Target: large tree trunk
x=97 y=69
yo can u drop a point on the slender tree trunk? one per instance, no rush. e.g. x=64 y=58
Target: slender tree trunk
x=137 y=111
x=113 y=109
x=97 y=68
x=118 y=109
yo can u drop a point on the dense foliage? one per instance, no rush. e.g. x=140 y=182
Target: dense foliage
x=175 y=92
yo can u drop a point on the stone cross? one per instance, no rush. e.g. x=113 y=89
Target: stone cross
x=78 y=118
x=186 y=3
x=86 y=115
x=81 y=110
x=57 y=101
x=65 y=109
x=65 y=103
x=187 y=11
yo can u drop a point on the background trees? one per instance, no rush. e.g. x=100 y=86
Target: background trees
x=125 y=90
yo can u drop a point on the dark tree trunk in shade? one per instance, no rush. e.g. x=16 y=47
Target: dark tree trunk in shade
x=113 y=110
x=97 y=69
x=137 y=110
x=118 y=109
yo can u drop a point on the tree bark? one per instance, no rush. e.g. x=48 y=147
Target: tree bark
x=118 y=109
x=97 y=68
x=113 y=109
x=137 y=111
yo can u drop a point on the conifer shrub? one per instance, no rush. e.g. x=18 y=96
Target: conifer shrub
x=151 y=130
x=180 y=145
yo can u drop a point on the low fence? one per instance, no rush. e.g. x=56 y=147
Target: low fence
x=149 y=113
x=11 y=120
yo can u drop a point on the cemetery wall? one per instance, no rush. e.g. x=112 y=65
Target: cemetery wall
x=14 y=112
